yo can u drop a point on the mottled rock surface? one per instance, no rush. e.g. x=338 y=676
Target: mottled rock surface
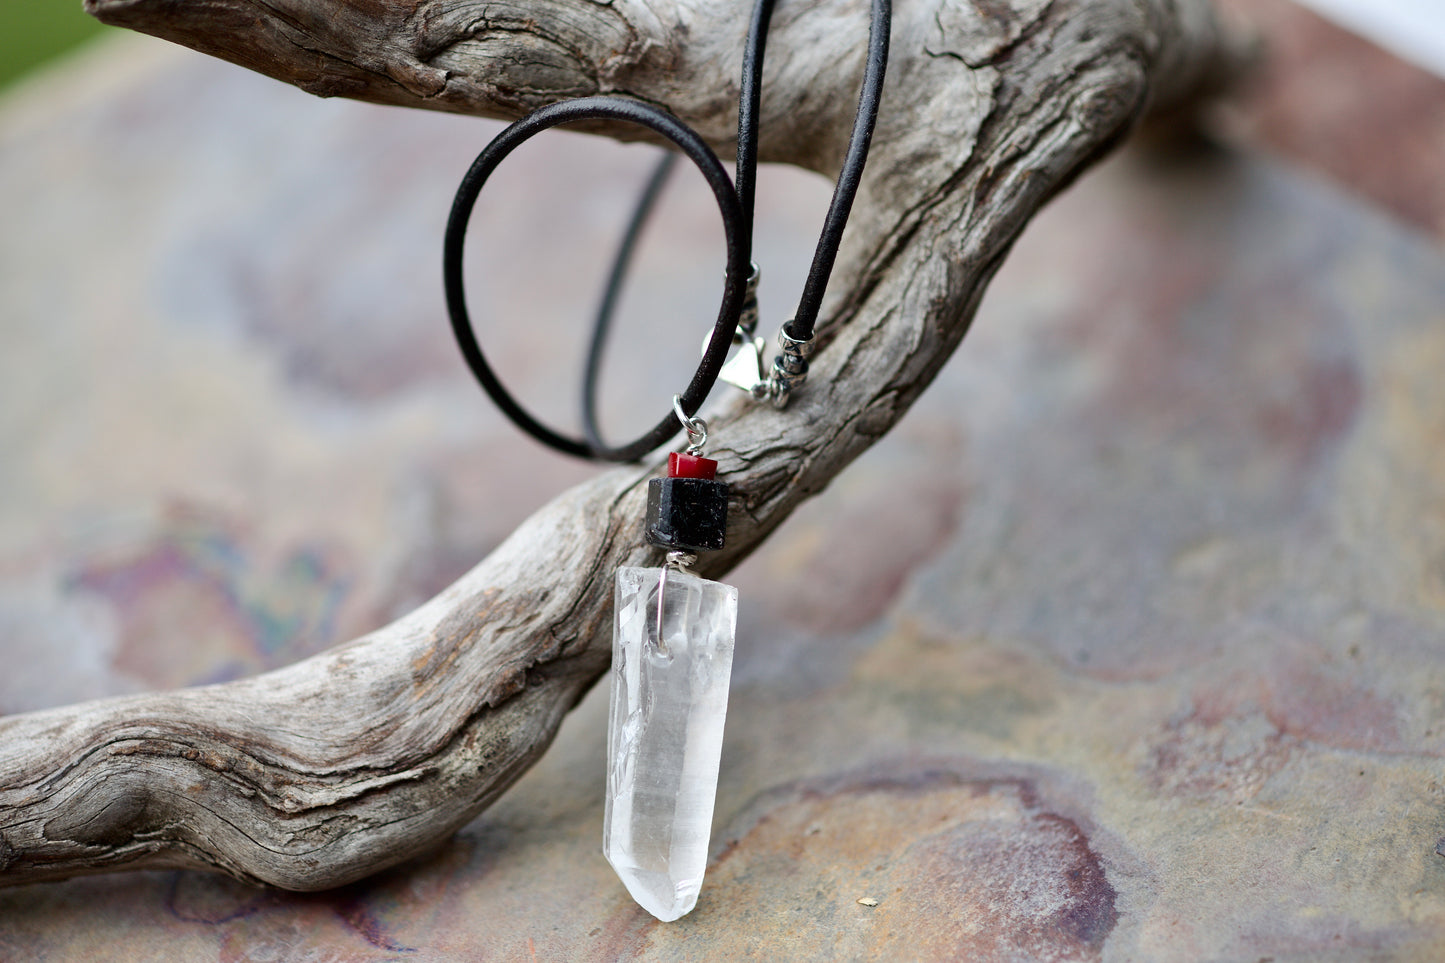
x=1127 y=644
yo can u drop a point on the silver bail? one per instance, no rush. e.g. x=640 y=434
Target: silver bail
x=696 y=428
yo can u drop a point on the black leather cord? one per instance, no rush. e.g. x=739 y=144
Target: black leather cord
x=801 y=327
x=749 y=104
x=737 y=224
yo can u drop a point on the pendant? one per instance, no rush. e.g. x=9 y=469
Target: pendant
x=671 y=661
x=672 y=655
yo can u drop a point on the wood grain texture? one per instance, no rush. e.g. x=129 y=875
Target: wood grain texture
x=342 y=764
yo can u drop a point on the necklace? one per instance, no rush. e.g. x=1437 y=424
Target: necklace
x=673 y=630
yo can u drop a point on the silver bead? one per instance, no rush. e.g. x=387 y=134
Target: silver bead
x=790 y=368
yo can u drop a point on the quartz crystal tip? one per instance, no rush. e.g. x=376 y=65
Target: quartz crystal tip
x=659 y=894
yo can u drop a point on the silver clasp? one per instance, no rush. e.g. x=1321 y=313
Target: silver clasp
x=746 y=368
x=790 y=369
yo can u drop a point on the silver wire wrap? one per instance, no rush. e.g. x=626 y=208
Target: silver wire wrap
x=681 y=562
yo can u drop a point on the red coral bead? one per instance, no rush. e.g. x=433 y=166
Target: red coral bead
x=682 y=465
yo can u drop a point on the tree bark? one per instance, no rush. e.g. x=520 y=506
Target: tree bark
x=350 y=761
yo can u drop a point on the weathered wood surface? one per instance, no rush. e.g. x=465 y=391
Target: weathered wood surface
x=322 y=772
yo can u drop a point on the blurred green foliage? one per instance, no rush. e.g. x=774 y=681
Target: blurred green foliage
x=33 y=31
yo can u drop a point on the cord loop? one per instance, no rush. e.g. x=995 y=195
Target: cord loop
x=696 y=150
x=735 y=205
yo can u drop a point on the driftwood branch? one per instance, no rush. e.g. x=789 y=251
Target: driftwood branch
x=350 y=761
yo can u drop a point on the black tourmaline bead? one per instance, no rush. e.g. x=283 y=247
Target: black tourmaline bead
x=687 y=514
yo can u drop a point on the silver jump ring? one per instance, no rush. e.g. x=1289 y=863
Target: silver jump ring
x=696 y=427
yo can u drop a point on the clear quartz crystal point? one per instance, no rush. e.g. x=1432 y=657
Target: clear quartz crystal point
x=665 y=732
